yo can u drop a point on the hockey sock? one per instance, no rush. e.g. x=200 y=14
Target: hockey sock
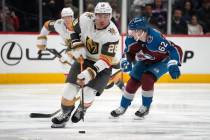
x=66 y=109
x=125 y=102
x=129 y=92
x=148 y=80
x=146 y=101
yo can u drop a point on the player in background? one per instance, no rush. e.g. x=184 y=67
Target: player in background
x=148 y=57
x=96 y=39
x=62 y=26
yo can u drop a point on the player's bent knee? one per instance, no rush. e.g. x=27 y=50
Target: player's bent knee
x=89 y=95
x=148 y=81
x=132 y=85
x=70 y=91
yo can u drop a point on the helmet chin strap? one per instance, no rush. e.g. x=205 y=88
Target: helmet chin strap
x=138 y=38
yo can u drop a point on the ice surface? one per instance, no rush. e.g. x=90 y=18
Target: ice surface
x=178 y=112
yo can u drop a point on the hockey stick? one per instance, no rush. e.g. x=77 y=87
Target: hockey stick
x=47 y=115
x=82 y=88
x=43 y=115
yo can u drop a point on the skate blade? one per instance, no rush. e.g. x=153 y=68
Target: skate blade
x=58 y=125
x=113 y=118
x=138 y=118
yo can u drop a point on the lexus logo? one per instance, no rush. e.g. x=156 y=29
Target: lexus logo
x=11 y=53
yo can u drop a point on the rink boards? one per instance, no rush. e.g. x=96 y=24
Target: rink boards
x=20 y=63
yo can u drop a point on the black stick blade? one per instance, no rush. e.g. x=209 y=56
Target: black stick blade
x=43 y=115
x=40 y=115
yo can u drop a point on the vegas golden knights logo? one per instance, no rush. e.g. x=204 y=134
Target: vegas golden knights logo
x=92 y=46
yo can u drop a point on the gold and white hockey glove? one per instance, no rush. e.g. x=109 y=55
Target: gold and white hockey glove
x=41 y=42
x=86 y=76
x=66 y=60
x=77 y=53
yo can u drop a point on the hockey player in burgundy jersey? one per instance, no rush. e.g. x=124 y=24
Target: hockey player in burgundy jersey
x=148 y=57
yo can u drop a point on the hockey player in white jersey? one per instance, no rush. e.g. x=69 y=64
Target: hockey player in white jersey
x=62 y=26
x=96 y=39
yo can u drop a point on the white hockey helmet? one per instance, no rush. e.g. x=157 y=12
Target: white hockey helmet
x=103 y=7
x=67 y=12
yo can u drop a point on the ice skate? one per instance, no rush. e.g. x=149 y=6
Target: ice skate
x=60 y=120
x=117 y=112
x=143 y=111
x=78 y=114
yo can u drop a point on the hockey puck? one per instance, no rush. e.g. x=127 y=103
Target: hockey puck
x=82 y=131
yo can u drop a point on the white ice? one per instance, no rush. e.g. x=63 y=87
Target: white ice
x=178 y=112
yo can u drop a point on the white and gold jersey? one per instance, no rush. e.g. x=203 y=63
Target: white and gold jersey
x=100 y=44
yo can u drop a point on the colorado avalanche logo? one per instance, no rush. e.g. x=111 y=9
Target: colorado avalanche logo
x=141 y=56
x=149 y=39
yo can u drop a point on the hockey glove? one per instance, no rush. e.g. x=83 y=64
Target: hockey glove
x=86 y=76
x=66 y=60
x=77 y=53
x=125 y=65
x=41 y=42
x=173 y=69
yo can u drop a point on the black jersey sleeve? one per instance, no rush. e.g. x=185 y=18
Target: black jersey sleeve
x=50 y=25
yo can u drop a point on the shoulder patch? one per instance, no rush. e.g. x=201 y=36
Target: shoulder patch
x=112 y=31
x=51 y=23
x=75 y=22
x=89 y=15
x=149 y=39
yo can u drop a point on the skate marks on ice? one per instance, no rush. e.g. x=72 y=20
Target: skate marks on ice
x=178 y=112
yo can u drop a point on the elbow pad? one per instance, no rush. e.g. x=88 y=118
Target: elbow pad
x=101 y=65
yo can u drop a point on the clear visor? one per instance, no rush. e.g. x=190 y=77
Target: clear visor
x=132 y=32
x=67 y=17
x=102 y=15
x=102 y=20
x=137 y=34
x=68 y=21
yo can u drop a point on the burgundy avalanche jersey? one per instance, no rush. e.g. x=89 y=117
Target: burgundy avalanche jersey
x=155 y=49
